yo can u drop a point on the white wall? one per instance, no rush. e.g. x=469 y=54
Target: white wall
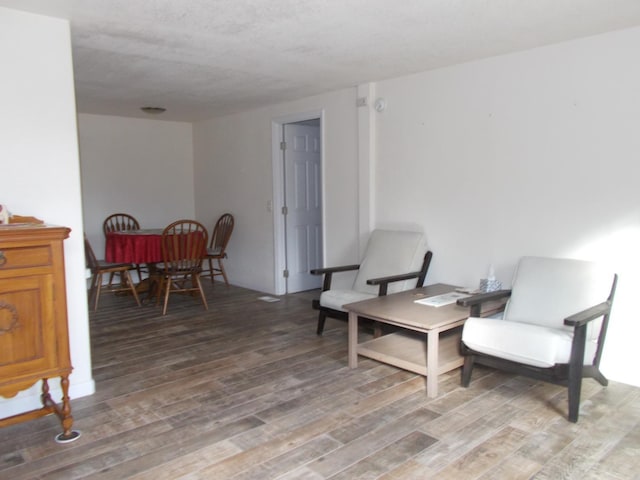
x=534 y=153
x=39 y=160
x=233 y=165
x=137 y=166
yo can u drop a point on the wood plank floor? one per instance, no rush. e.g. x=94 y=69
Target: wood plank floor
x=248 y=391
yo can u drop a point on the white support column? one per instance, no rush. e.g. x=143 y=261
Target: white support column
x=366 y=161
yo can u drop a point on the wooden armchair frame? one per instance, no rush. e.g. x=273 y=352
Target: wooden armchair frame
x=381 y=282
x=569 y=374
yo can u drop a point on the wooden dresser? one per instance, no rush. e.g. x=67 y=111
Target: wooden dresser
x=34 y=341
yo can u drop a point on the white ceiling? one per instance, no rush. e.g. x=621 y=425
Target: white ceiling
x=203 y=58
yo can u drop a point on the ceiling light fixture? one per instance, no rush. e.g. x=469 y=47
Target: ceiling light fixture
x=153 y=110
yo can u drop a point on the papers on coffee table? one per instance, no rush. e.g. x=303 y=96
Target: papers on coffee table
x=441 y=300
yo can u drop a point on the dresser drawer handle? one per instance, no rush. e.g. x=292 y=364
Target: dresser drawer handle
x=3 y=259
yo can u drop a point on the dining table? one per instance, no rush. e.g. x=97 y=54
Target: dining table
x=139 y=247
x=142 y=246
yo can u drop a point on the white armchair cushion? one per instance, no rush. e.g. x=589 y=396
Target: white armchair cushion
x=545 y=291
x=536 y=345
x=335 y=299
x=388 y=253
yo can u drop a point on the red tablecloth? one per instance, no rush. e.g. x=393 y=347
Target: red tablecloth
x=136 y=246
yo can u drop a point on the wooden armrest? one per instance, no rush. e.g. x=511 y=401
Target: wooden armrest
x=585 y=316
x=476 y=301
x=345 y=268
x=393 y=278
x=483 y=297
x=384 y=282
x=328 y=273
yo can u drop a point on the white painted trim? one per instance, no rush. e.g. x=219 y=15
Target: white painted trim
x=366 y=164
x=278 y=190
x=277 y=202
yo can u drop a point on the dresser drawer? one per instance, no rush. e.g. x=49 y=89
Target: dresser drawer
x=24 y=257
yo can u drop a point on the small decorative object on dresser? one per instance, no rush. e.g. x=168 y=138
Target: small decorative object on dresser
x=34 y=341
x=4 y=215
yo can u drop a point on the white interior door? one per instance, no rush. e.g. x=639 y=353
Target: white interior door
x=303 y=205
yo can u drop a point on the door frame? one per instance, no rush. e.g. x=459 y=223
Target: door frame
x=277 y=123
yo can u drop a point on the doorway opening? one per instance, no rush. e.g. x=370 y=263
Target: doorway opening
x=298 y=202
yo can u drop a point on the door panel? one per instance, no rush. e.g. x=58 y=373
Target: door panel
x=303 y=222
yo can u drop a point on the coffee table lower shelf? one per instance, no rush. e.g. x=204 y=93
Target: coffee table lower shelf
x=408 y=350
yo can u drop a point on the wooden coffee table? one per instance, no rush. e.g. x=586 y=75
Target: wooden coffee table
x=409 y=349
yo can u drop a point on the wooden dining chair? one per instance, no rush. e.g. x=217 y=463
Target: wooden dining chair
x=218 y=246
x=121 y=222
x=99 y=268
x=184 y=246
x=118 y=222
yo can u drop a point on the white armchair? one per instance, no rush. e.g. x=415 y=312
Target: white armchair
x=553 y=328
x=393 y=261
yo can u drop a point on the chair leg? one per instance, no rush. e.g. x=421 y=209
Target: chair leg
x=224 y=274
x=132 y=286
x=167 y=287
x=321 y=318
x=600 y=378
x=211 y=275
x=92 y=288
x=139 y=272
x=575 y=385
x=576 y=367
x=160 y=290
x=195 y=278
x=465 y=377
x=97 y=293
